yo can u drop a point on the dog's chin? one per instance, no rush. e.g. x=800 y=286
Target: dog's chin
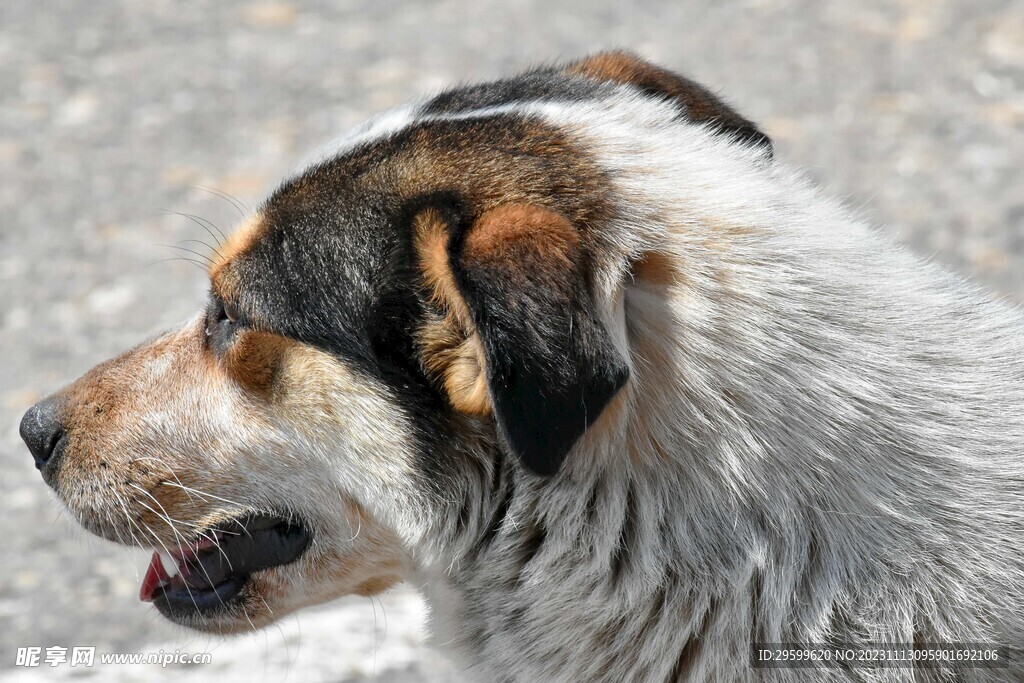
x=256 y=604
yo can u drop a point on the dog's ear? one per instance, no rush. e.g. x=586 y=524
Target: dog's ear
x=522 y=338
x=699 y=104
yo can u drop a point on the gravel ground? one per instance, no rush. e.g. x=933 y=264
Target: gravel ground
x=113 y=113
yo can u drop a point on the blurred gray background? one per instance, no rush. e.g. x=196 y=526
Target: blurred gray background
x=114 y=113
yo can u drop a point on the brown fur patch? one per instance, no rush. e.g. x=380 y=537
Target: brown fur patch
x=254 y=358
x=466 y=378
x=509 y=235
x=487 y=163
x=431 y=244
x=223 y=279
x=376 y=585
x=451 y=350
x=657 y=269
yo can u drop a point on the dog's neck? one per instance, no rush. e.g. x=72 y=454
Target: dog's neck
x=610 y=540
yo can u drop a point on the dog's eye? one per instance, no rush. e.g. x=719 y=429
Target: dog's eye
x=221 y=322
x=228 y=312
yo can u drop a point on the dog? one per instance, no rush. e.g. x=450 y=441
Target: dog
x=620 y=392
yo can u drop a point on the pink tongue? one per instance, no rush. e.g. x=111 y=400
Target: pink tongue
x=155 y=575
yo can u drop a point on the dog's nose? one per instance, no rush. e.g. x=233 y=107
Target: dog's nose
x=42 y=428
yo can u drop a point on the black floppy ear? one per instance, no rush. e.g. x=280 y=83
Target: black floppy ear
x=699 y=104
x=551 y=367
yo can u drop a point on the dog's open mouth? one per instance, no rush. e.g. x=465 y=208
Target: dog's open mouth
x=207 y=573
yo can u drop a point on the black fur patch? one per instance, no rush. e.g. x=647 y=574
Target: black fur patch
x=544 y=84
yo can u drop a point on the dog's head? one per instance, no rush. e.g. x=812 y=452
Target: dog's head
x=434 y=299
